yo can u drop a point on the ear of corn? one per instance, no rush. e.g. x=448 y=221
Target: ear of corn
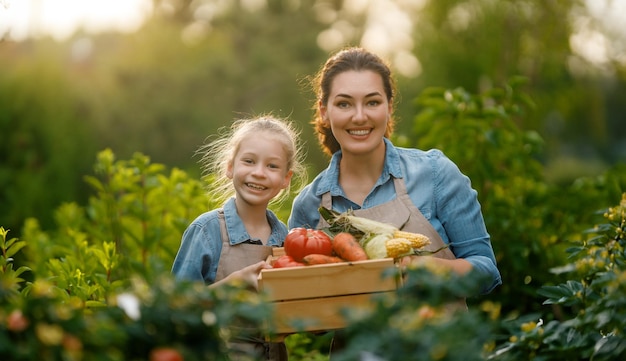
x=417 y=240
x=380 y=240
x=366 y=225
x=398 y=247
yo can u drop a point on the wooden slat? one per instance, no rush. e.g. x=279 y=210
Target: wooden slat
x=278 y=251
x=337 y=279
x=318 y=314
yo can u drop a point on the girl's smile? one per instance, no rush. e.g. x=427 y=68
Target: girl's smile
x=259 y=169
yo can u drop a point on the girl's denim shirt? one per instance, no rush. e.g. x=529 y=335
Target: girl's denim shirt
x=201 y=245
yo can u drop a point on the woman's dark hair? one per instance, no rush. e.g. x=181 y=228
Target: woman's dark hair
x=356 y=59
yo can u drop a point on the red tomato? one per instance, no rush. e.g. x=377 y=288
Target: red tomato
x=304 y=241
x=165 y=354
x=286 y=261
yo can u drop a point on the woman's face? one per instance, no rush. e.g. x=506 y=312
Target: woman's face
x=357 y=111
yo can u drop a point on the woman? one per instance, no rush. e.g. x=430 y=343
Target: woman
x=417 y=191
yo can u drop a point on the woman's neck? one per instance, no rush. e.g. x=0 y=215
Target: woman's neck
x=358 y=173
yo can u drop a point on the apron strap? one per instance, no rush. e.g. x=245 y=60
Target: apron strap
x=237 y=257
x=422 y=225
x=234 y=258
x=225 y=243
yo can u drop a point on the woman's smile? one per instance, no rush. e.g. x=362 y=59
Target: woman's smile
x=359 y=131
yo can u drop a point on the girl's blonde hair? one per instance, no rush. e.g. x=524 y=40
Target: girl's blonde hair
x=218 y=154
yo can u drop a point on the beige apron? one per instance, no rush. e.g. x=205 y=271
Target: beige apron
x=234 y=258
x=401 y=213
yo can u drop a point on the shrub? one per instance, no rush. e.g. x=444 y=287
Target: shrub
x=593 y=298
x=99 y=286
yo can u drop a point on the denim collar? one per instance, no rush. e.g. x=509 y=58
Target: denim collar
x=237 y=231
x=329 y=180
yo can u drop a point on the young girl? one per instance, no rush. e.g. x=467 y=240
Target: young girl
x=254 y=165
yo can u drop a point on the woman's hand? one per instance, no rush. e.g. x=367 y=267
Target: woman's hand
x=459 y=265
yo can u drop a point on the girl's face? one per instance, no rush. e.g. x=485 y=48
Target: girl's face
x=259 y=169
x=358 y=111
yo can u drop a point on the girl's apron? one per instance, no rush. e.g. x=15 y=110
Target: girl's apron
x=234 y=258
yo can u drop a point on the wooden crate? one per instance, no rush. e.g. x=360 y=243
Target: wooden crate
x=311 y=298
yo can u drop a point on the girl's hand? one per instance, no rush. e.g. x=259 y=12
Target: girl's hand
x=250 y=274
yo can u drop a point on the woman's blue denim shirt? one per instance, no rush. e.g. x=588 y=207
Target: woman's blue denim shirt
x=437 y=188
x=201 y=245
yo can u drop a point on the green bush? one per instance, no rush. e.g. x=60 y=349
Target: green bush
x=594 y=296
x=91 y=297
x=426 y=319
x=65 y=292
x=188 y=319
x=529 y=219
x=98 y=287
x=132 y=225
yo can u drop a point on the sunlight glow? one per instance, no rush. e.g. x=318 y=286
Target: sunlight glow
x=389 y=32
x=21 y=19
x=253 y=5
x=591 y=45
x=599 y=35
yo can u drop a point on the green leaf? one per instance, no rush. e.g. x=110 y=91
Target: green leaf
x=14 y=248
x=561 y=294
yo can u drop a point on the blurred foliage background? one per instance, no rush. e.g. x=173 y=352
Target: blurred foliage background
x=194 y=66
x=527 y=97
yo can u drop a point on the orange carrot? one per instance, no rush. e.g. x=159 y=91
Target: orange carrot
x=348 y=248
x=315 y=258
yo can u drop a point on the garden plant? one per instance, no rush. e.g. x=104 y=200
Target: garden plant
x=98 y=287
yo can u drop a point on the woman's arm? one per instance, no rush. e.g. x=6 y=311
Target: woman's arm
x=459 y=212
x=304 y=210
